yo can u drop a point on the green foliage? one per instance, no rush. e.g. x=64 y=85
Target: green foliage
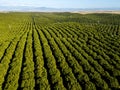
x=59 y=51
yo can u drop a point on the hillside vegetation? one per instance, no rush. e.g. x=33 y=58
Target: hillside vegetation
x=59 y=51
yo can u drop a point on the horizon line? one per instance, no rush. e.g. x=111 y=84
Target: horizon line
x=60 y=7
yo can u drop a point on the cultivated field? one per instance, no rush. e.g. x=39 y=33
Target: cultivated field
x=59 y=51
x=99 y=11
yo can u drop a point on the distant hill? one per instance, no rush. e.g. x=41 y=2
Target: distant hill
x=47 y=9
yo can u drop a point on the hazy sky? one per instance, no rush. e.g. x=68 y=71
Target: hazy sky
x=63 y=3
